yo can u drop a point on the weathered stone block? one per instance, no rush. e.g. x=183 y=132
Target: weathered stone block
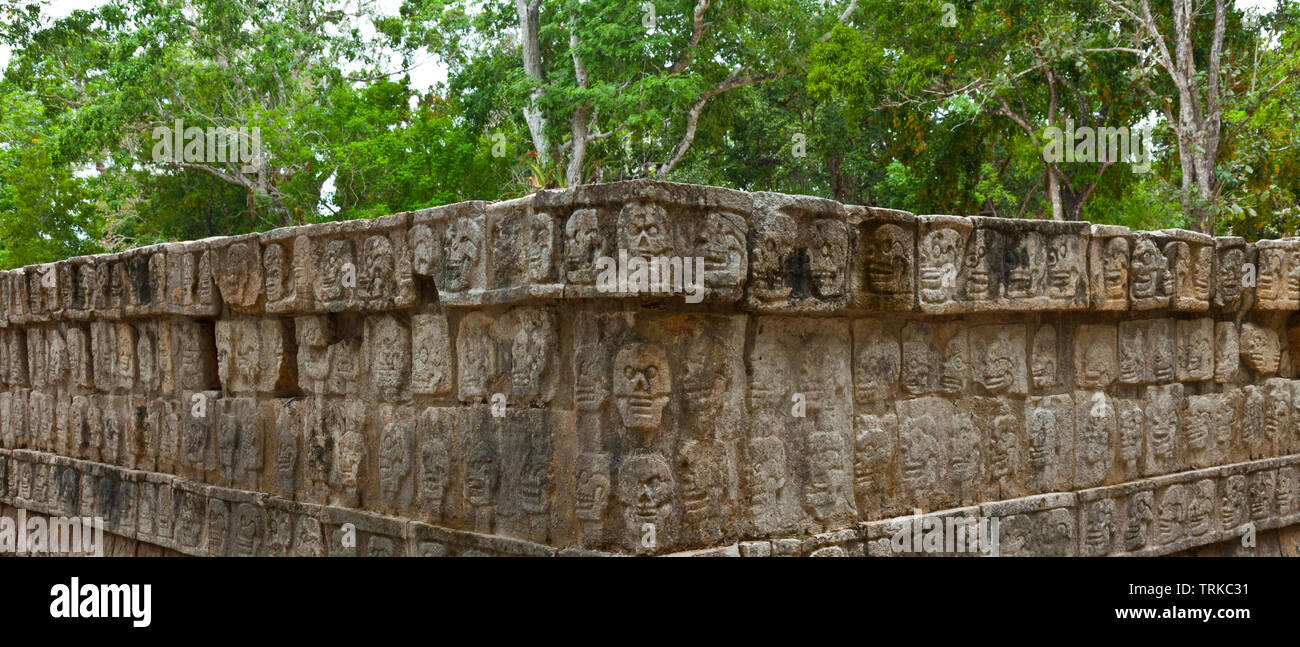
x=1108 y=262
x=883 y=273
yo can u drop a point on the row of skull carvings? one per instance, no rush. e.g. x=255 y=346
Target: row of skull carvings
x=518 y=353
x=770 y=252
x=1153 y=516
x=534 y=472
x=196 y=519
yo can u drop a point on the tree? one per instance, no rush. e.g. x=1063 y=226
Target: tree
x=634 y=77
x=83 y=95
x=1203 y=83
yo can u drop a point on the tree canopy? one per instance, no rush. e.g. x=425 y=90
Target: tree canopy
x=930 y=106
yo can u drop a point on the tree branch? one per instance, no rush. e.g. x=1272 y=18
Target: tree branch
x=693 y=117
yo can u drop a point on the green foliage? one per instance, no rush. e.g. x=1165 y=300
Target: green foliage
x=895 y=105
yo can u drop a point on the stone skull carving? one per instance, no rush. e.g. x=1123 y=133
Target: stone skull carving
x=481 y=473
x=390 y=356
x=644 y=230
x=541 y=242
x=464 y=242
x=273 y=268
x=1233 y=509
x=1064 y=255
x=645 y=490
x=940 y=255
x=424 y=250
x=593 y=487
x=1042 y=439
x=377 y=275
x=1114 y=268
x=1260 y=348
x=1100 y=526
x=827 y=255
x=641 y=386
x=1139 y=520
x=583 y=246
x=1148 y=271
x=889 y=260
x=721 y=241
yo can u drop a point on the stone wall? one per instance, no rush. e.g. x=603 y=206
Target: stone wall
x=453 y=381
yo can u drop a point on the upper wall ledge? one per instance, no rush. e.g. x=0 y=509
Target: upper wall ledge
x=769 y=252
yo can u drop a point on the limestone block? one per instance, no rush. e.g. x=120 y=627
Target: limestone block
x=198 y=446
x=507 y=237
x=513 y=355
x=998 y=352
x=1108 y=262
x=1138 y=516
x=1278 y=280
x=1098 y=534
x=145 y=277
x=1045 y=357
x=253 y=355
x=1195 y=349
x=237 y=269
x=435 y=435
x=1276 y=423
x=877 y=361
x=1190 y=260
x=1042 y=533
x=362 y=265
x=800 y=391
x=1230 y=268
x=874 y=443
x=1096 y=363
x=1260 y=348
x=284 y=454
x=1291 y=442
x=941 y=244
x=1162 y=406
x=292 y=529
x=1227 y=355
x=883 y=274
x=925 y=424
x=457 y=263
x=1049 y=449
x=1151 y=280
x=1286 y=502
x=1261 y=495
x=391 y=434
x=191 y=288
x=240 y=443
x=800 y=254
x=1204 y=444
x=1096 y=434
x=1003 y=460
x=16 y=282
x=936 y=358
x=287 y=271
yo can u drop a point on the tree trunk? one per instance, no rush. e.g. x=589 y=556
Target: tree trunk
x=529 y=24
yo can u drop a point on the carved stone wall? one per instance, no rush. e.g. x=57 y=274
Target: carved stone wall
x=454 y=381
